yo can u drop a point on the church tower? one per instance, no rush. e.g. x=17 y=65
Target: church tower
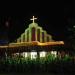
x=34 y=33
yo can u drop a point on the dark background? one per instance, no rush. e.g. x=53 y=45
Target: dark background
x=50 y=17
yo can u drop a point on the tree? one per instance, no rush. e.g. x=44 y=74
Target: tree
x=71 y=36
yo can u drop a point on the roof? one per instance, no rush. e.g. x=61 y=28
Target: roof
x=33 y=44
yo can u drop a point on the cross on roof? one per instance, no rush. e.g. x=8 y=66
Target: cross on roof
x=33 y=19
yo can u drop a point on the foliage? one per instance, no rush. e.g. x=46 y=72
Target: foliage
x=46 y=64
x=71 y=36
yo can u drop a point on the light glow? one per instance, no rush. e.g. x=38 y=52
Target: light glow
x=54 y=53
x=33 y=19
x=33 y=55
x=42 y=54
x=24 y=54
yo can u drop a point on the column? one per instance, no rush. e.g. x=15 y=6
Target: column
x=50 y=38
x=30 y=34
x=45 y=38
x=27 y=35
x=21 y=38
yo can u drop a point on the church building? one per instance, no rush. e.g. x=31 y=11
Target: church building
x=34 y=33
x=34 y=42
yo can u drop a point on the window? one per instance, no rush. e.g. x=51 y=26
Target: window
x=24 y=54
x=42 y=54
x=54 y=53
x=33 y=55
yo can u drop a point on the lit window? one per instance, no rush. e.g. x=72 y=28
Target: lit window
x=54 y=53
x=42 y=54
x=33 y=55
x=16 y=53
x=25 y=54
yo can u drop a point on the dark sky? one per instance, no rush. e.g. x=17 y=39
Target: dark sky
x=50 y=17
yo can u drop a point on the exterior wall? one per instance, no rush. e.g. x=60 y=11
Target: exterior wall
x=45 y=37
x=48 y=38
x=22 y=37
x=19 y=40
x=27 y=35
x=38 y=35
x=43 y=34
x=35 y=33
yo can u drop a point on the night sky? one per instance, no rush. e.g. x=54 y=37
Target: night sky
x=50 y=17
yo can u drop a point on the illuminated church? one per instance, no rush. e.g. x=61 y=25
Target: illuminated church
x=33 y=43
x=34 y=33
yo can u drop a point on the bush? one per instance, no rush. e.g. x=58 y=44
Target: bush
x=47 y=64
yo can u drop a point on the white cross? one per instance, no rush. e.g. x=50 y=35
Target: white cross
x=33 y=19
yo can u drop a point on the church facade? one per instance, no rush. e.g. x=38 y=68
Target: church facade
x=34 y=42
x=34 y=33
